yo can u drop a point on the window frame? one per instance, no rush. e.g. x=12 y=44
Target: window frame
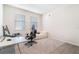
x=16 y=20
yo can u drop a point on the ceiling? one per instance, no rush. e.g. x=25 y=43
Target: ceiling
x=39 y=8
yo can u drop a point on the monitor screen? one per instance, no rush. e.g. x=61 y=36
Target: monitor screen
x=5 y=30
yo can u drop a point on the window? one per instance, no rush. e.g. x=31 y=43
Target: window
x=19 y=22
x=33 y=21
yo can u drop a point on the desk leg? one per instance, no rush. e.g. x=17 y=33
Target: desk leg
x=19 y=48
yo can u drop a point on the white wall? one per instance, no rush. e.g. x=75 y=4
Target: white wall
x=10 y=13
x=63 y=24
x=1 y=18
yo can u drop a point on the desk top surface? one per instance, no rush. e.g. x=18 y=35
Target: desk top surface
x=13 y=41
x=16 y=40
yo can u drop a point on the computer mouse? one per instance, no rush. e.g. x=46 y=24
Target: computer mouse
x=8 y=39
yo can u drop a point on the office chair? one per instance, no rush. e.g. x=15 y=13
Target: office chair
x=31 y=37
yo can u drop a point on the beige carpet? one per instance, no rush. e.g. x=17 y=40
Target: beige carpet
x=43 y=46
x=66 y=49
x=48 y=46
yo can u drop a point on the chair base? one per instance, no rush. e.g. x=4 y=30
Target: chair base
x=30 y=43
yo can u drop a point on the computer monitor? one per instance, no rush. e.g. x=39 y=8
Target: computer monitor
x=6 y=31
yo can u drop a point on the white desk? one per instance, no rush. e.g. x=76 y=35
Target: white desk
x=17 y=40
x=13 y=41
